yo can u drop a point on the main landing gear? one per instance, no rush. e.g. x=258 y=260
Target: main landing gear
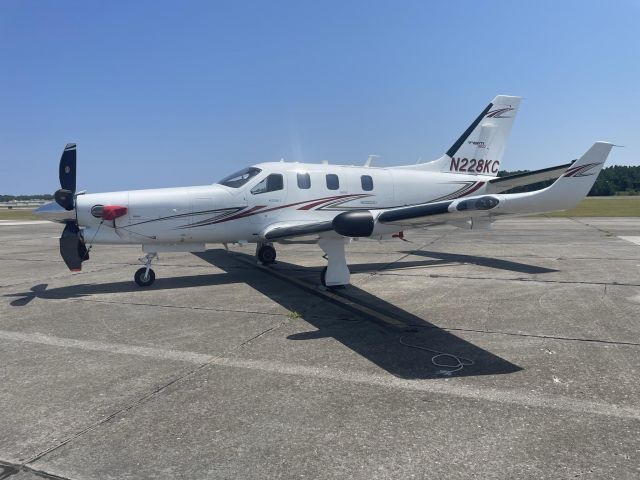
x=266 y=253
x=336 y=273
x=145 y=276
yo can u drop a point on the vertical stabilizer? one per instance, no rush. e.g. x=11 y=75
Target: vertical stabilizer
x=479 y=150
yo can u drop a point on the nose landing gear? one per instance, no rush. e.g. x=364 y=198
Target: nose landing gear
x=266 y=253
x=145 y=276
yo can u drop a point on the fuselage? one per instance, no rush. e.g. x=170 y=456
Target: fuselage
x=239 y=209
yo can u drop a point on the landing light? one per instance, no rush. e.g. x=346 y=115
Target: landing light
x=111 y=212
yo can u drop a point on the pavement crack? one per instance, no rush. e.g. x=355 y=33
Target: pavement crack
x=601 y=230
x=388 y=266
x=532 y=335
x=521 y=279
x=214 y=360
x=255 y=337
x=139 y=401
x=184 y=307
x=62 y=275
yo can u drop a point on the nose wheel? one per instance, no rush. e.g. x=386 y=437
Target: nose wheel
x=145 y=276
x=266 y=254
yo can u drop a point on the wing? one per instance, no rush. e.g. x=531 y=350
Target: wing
x=502 y=184
x=469 y=212
x=295 y=230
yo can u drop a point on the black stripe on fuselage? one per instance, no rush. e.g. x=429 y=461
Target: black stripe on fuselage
x=456 y=146
x=299 y=230
x=414 y=212
x=182 y=215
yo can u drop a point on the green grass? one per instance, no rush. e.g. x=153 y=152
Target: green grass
x=17 y=214
x=603 y=207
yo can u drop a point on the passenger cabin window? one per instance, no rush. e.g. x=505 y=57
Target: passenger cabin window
x=333 y=182
x=238 y=179
x=304 y=181
x=270 y=184
x=367 y=183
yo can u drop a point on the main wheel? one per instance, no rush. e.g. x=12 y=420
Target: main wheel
x=267 y=254
x=143 y=279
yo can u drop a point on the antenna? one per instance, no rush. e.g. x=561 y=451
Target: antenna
x=370 y=159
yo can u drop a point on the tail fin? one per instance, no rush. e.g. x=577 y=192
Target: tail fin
x=479 y=150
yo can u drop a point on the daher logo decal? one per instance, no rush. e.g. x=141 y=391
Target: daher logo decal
x=500 y=113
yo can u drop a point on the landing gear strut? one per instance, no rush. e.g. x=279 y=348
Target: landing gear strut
x=145 y=276
x=336 y=273
x=266 y=253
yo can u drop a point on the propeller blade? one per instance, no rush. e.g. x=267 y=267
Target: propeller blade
x=72 y=247
x=67 y=170
x=67 y=173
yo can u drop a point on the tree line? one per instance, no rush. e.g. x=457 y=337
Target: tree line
x=615 y=180
x=22 y=198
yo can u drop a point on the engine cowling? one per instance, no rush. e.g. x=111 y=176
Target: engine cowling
x=359 y=223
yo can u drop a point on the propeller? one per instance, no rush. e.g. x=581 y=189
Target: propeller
x=72 y=247
x=67 y=173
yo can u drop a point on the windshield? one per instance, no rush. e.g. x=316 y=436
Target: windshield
x=238 y=179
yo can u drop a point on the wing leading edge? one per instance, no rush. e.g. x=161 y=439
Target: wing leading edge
x=502 y=184
x=282 y=231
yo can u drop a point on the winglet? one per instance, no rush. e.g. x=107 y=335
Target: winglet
x=568 y=190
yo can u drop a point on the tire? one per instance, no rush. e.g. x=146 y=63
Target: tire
x=267 y=255
x=140 y=279
x=323 y=277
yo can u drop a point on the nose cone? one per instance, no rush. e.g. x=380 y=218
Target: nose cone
x=55 y=213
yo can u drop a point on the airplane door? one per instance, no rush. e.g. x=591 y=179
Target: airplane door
x=267 y=197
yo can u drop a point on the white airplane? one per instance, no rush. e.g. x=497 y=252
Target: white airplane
x=330 y=205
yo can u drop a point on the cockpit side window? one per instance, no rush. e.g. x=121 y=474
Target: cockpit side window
x=236 y=180
x=270 y=184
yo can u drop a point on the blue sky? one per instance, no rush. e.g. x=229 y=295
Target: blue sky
x=159 y=93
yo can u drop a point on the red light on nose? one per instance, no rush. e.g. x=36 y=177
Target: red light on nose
x=111 y=212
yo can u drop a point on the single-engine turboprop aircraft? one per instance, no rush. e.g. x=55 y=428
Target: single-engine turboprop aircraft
x=280 y=202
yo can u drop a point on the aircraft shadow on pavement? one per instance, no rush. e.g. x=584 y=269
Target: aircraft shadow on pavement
x=88 y=289
x=442 y=258
x=378 y=343
x=483 y=262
